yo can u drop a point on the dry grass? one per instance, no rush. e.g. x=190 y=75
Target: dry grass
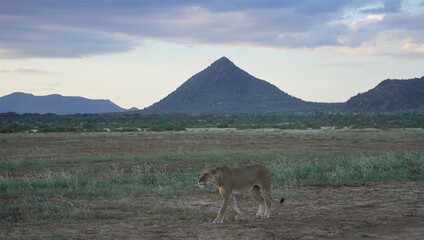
x=65 y=178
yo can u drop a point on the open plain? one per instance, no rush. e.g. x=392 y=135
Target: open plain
x=338 y=183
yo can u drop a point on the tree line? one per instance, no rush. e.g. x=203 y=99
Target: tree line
x=132 y=122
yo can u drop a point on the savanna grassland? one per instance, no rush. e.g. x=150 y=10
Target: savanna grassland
x=338 y=183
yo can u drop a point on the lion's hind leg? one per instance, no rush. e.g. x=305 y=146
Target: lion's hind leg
x=256 y=194
x=268 y=202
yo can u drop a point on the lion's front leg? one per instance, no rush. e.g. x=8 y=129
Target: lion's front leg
x=240 y=215
x=220 y=218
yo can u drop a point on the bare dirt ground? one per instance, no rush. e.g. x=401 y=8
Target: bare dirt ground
x=375 y=210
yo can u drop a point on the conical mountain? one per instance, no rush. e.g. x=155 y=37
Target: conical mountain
x=224 y=88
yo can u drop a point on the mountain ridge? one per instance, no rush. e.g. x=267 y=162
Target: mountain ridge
x=223 y=88
x=20 y=102
x=390 y=95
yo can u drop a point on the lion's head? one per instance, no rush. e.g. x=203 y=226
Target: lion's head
x=208 y=176
x=204 y=177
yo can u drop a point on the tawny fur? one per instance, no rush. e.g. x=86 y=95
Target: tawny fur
x=229 y=181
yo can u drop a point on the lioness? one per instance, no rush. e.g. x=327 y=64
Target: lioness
x=230 y=181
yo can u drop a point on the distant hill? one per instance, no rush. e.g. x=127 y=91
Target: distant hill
x=57 y=104
x=223 y=88
x=390 y=96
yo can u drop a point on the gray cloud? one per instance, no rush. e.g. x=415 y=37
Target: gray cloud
x=58 y=28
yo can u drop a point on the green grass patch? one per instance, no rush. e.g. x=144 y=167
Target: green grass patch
x=349 y=169
x=52 y=194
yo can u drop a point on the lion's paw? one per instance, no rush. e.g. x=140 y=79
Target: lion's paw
x=239 y=217
x=216 y=221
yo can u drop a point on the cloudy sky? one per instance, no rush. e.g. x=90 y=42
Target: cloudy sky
x=135 y=52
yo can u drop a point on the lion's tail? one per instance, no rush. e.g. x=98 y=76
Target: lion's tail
x=278 y=201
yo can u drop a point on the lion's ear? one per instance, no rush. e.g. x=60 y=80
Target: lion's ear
x=216 y=170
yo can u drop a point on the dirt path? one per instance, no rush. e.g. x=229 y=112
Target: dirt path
x=393 y=210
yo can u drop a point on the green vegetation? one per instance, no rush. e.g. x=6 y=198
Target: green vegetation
x=46 y=178
x=61 y=195
x=350 y=169
x=133 y=122
x=51 y=194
